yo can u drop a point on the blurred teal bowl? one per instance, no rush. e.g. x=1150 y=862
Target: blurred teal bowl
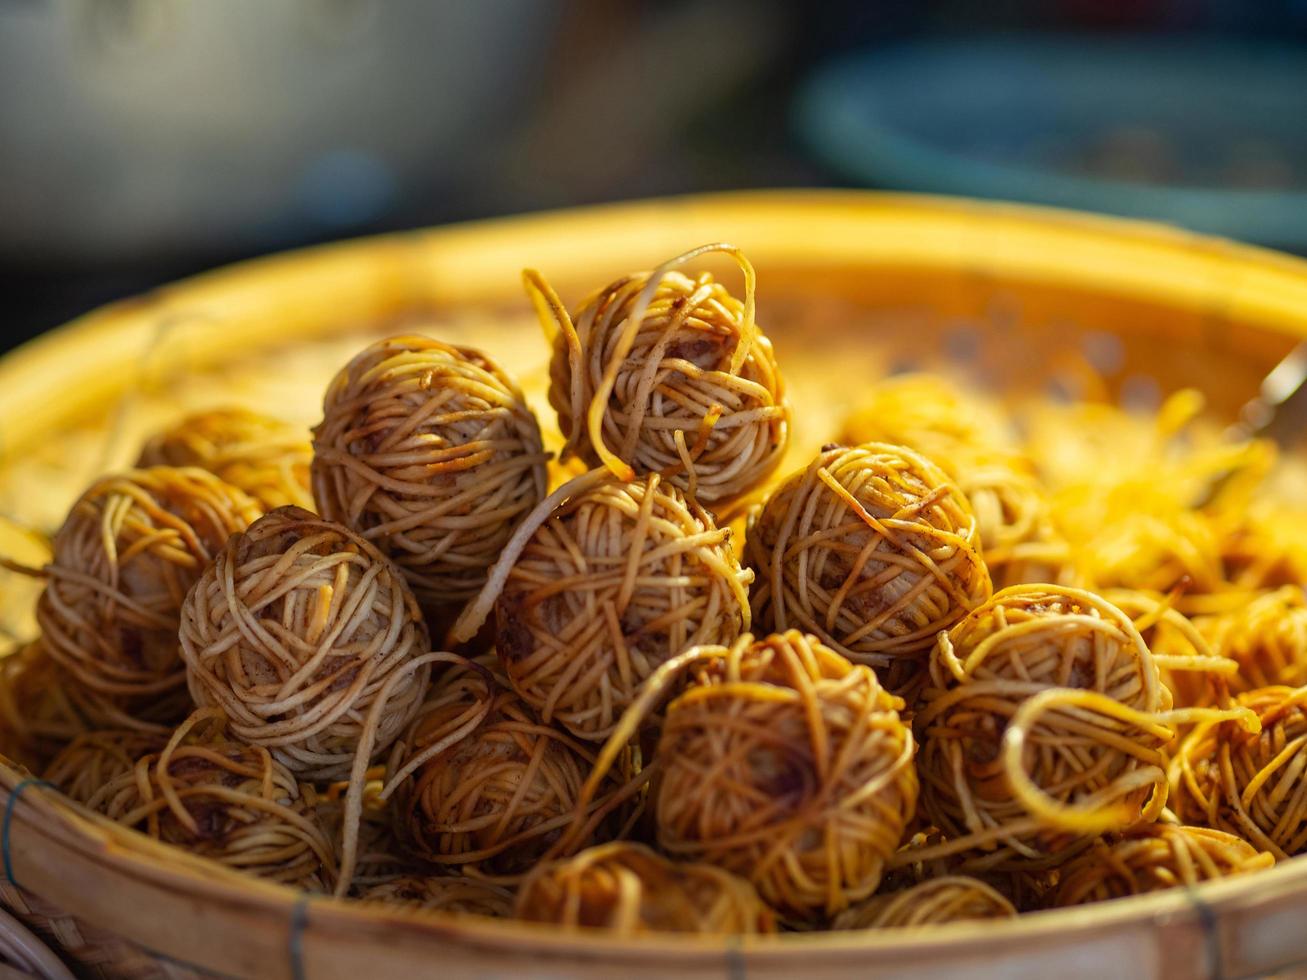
x=1204 y=134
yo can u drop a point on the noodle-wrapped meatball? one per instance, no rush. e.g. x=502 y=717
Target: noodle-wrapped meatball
x=266 y=457
x=1249 y=783
x=450 y=894
x=788 y=765
x=874 y=550
x=431 y=453
x=629 y=890
x=1267 y=638
x=1068 y=672
x=956 y=898
x=94 y=759
x=479 y=782
x=620 y=578
x=130 y=549
x=659 y=372
x=224 y=800
x=1152 y=858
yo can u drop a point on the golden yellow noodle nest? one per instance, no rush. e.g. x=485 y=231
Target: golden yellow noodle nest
x=450 y=894
x=619 y=578
x=224 y=800
x=1017 y=535
x=479 y=781
x=935 y=416
x=1267 y=638
x=873 y=550
x=1249 y=784
x=266 y=457
x=94 y=759
x=1070 y=673
x=1152 y=858
x=1149 y=504
x=661 y=372
x=629 y=890
x=430 y=452
x=954 y=898
x=786 y=764
x=124 y=559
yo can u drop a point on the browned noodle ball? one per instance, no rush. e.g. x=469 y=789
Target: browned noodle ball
x=659 y=372
x=452 y=895
x=310 y=641
x=955 y=898
x=786 y=764
x=1267 y=639
x=1017 y=535
x=1155 y=857
x=430 y=452
x=1075 y=672
x=266 y=457
x=616 y=580
x=1188 y=663
x=377 y=856
x=39 y=708
x=478 y=782
x=874 y=550
x=629 y=890
x=128 y=552
x=95 y=759
x=1249 y=783
x=224 y=800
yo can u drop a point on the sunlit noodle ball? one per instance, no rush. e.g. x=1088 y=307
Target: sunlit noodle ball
x=1249 y=784
x=661 y=372
x=266 y=457
x=430 y=452
x=297 y=630
x=94 y=759
x=874 y=550
x=130 y=549
x=1267 y=638
x=452 y=895
x=1155 y=857
x=788 y=765
x=617 y=580
x=1070 y=673
x=481 y=783
x=629 y=890
x=223 y=800
x=954 y=898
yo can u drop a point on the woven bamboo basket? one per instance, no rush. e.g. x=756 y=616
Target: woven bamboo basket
x=868 y=282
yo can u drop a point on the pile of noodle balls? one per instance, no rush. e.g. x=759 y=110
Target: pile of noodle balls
x=971 y=660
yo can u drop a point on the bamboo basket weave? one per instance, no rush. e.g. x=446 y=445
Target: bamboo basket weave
x=869 y=282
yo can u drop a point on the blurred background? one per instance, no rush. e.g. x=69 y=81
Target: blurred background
x=143 y=140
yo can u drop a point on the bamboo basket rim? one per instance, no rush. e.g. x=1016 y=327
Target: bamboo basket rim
x=382 y=276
